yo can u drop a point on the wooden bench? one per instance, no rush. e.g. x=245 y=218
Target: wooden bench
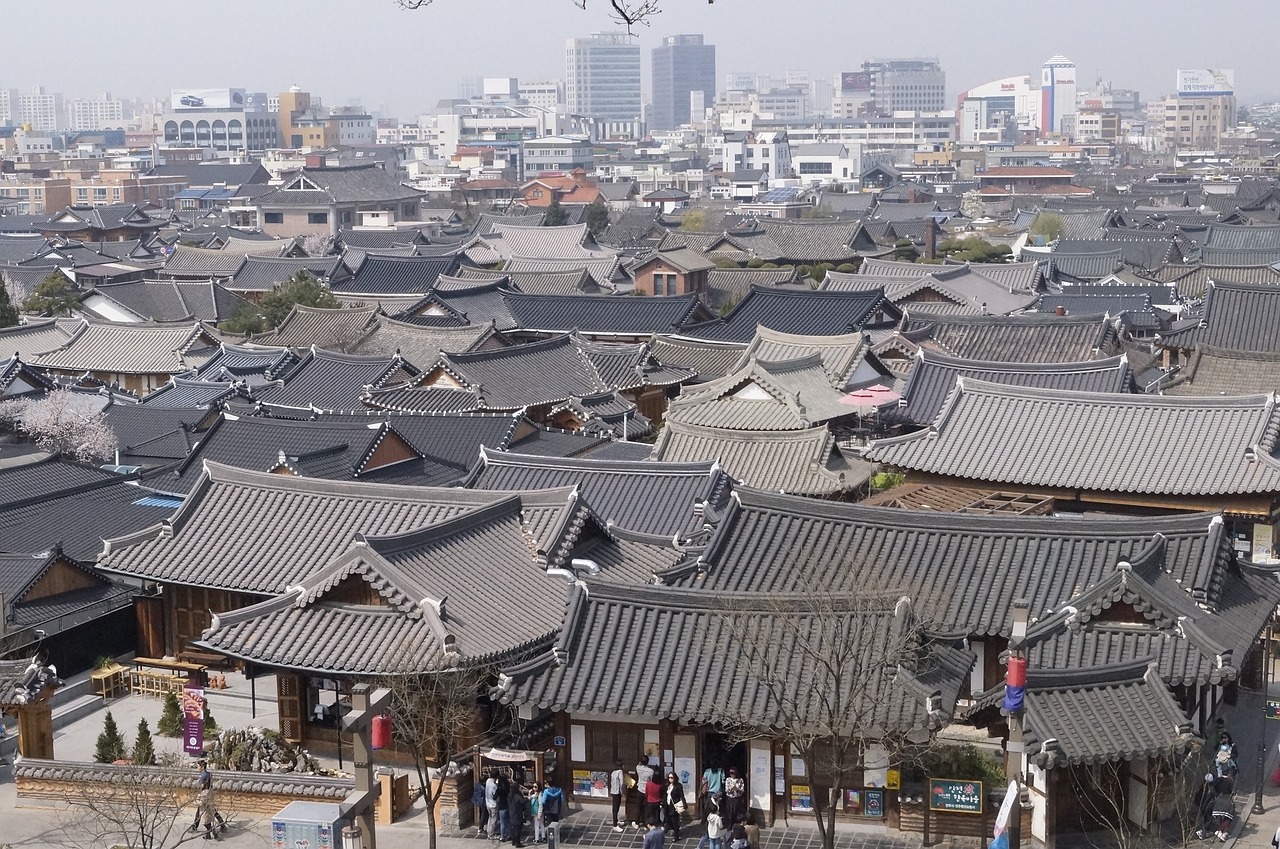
x=206 y=658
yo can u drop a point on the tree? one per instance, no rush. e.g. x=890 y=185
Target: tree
x=694 y=221
x=435 y=716
x=1048 y=226
x=144 y=751
x=140 y=807
x=246 y=320
x=628 y=13
x=170 y=722
x=827 y=673
x=54 y=295
x=111 y=745
x=596 y=217
x=8 y=312
x=1101 y=793
x=555 y=215
x=302 y=288
x=974 y=249
x=63 y=422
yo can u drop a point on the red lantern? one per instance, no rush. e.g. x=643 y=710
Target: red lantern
x=1017 y=674
x=381 y=731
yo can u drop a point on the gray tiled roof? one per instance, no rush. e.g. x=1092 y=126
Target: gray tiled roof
x=602 y=315
x=380 y=239
x=430 y=616
x=606 y=414
x=137 y=348
x=264 y=273
x=852 y=546
x=248 y=362
x=1237 y=316
x=34 y=338
x=765 y=395
x=328 y=380
x=18 y=378
x=934 y=377
x=613 y=636
x=1094 y=265
x=186 y=393
x=211 y=262
x=707 y=358
x=1242 y=237
x=602 y=269
x=730 y=285
x=1222 y=371
x=346 y=184
x=395 y=275
x=1097 y=442
x=328 y=328
x=537 y=242
x=1022 y=338
x=208 y=543
x=800 y=461
x=955 y=290
x=667 y=499
x=172 y=300
x=802 y=312
x=420 y=344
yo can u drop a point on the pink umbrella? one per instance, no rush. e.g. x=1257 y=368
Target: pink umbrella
x=871 y=398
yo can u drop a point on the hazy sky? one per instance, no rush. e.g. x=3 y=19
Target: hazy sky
x=374 y=52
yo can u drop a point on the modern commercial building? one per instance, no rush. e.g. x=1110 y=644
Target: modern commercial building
x=302 y=123
x=218 y=118
x=902 y=85
x=548 y=95
x=602 y=77
x=1202 y=110
x=556 y=154
x=999 y=111
x=1057 y=96
x=682 y=65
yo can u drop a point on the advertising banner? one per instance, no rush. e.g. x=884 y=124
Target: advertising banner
x=206 y=98
x=1205 y=82
x=855 y=81
x=193 y=719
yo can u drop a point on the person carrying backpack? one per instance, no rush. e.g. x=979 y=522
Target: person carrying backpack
x=552 y=803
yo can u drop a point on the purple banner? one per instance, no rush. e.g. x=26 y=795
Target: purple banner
x=193 y=720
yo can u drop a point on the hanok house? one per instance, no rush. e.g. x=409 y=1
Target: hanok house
x=1134 y=591
x=320 y=199
x=675 y=272
x=139 y=357
x=118 y=222
x=1105 y=451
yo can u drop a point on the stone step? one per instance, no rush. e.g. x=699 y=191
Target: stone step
x=79 y=708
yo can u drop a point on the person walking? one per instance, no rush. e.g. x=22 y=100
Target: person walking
x=712 y=786
x=552 y=800
x=655 y=837
x=491 y=803
x=503 y=791
x=617 y=786
x=1203 y=800
x=644 y=775
x=480 y=808
x=653 y=793
x=535 y=811
x=734 y=788
x=1224 y=808
x=673 y=804
x=715 y=827
x=207 y=815
x=517 y=809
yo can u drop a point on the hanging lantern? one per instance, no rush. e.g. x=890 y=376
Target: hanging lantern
x=1017 y=674
x=381 y=736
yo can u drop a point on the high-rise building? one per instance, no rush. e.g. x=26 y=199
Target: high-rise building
x=1057 y=95
x=602 y=77
x=547 y=95
x=905 y=85
x=43 y=111
x=8 y=106
x=104 y=113
x=682 y=64
x=1202 y=110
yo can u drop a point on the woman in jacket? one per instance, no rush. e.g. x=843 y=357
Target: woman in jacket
x=673 y=804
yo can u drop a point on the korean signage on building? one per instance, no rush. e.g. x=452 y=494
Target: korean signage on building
x=958 y=796
x=855 y=81
x=1206 y=82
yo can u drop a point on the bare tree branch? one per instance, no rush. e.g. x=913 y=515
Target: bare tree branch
x=628 y=13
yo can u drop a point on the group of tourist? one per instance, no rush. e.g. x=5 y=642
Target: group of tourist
x=1214 y=801
x=504 y=804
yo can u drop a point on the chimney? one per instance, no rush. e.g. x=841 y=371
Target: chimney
x=931 y=239
x=314 y=160
x=1059 y=310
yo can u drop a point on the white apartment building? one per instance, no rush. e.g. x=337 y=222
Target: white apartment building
x=43 y=111
x=547 y=95
x=101 y=114
x=8 y=106
x=768 y=151
x=556 y=153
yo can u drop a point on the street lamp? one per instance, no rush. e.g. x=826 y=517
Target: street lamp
x=1262 y=734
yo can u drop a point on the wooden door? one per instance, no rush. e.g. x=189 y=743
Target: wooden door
x=289 y=705
x=149 y=612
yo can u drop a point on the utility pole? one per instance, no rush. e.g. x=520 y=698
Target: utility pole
x=1014 y=748
x=1262 y=732
x=366 y=703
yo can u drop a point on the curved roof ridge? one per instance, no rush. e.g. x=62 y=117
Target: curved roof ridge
x=501 y=506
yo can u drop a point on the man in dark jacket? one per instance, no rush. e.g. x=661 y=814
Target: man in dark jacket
x=517 y=812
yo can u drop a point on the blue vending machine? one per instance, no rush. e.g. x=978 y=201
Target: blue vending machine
x=307 y=825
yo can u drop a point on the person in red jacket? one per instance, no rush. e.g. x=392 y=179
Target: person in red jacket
x=653 y=801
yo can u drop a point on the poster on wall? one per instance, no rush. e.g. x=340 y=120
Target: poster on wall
x=685 y=769
x=853 y=801
x=873 y=803
x=801 y=798
x=758 y=777
x=582 y=782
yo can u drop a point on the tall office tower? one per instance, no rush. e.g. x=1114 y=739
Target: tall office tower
x=602 y=77
x=915 y=85
x=682 y=64
x=1057 y=94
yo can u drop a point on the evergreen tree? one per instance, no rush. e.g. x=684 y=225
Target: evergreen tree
x=55 y=295
x=111 y=744
x=302 y=288
x=210 y=724
x=170 y=724
x=144 y=752
x=555 y=215
x=8 y=312
x=596 y=217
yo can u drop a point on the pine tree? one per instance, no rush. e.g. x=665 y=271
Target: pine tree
x=555 y=216
x=210 y=724
x=170 y=724
x=111 y=744
x=144 y=752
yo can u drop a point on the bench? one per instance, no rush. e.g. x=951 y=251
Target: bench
x=205 y=658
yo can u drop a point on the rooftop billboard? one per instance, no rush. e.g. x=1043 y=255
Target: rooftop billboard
x=1206 y=82
x=206 y=98
x=855 y=81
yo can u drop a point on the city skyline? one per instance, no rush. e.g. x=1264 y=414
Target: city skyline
x=530 y=46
